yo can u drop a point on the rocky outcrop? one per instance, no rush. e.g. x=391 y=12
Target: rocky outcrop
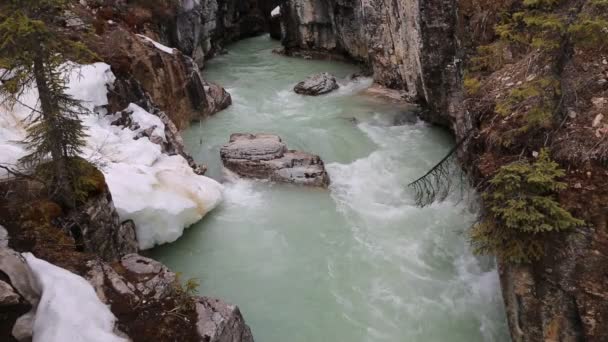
x=218 y=321
x=171 y=80
x=137 y=280
x=318 y=84
x=201 y=29
x=20 y=280
x=96 y=226
x=8 y=296
x=408 y=44
x=265 y=156
x=563 y=297
x=217 y=97
x=418 y=47
x=142 y=293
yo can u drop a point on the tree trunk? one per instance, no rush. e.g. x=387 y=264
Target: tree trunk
x=61 y=187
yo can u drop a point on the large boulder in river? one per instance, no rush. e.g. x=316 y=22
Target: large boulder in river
x=317 y=84
x=265 y=156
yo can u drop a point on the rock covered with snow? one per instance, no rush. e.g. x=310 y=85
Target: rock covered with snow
x=265 y=156
x=170 y=78
x=160 y=193
x=64 y=306
x=143 y=280
x=69 y=309
x=317 y=84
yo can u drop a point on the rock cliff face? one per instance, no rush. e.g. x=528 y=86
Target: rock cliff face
x=100 y=230
x=202 y=28
x=409 y=45
x=563 y=297
x=422 y=48
x=172 y=80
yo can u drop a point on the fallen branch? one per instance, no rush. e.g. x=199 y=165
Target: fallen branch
x=436 y=184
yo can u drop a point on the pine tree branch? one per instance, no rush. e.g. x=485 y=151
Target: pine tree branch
x=436 y=184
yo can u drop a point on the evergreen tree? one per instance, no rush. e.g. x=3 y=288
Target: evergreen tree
x=33 y=52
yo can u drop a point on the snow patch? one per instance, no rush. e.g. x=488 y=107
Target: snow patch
x=276 y=11
x=160 y=193
x=69 y=309
x=156 y=44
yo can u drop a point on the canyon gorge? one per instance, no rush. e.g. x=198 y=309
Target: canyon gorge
x=189 y=98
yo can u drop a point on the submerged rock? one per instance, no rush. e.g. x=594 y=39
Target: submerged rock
x=317 y=84
x=265 y=156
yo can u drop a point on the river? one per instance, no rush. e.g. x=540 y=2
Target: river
x=357 y=262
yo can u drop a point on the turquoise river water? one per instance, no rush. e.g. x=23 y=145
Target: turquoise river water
x=357 y=262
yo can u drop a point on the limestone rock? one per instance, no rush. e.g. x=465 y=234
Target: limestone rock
x=217 y=97
x=20 y=275
x=265 y=156
x=100 y=229
x=137 y=279
x=318 y=84
x=23 y=281
x=3 y=237
x=154 y=277
x=408 y=44
x=221 y=322
x=202 y=28
x=172 y=81
x=8 y=296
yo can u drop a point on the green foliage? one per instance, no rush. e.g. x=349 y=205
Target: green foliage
x=533 y=28
x=533 y=103
x=522 y=209
x=541 y=3
x=599 y=4
x=184 y=295
x=489 y=58
x=590 y=32
x=34 y=52
x=471 y=85
x=86 y=180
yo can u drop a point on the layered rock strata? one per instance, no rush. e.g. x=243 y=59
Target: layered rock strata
x=265 y=156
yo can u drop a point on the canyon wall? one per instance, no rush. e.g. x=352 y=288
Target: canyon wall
x=422 y=48
x=202 y=28
x=408 y=45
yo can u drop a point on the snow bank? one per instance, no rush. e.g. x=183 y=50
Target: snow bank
x=69 y=309
x=156 y=44
x=160 y=193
